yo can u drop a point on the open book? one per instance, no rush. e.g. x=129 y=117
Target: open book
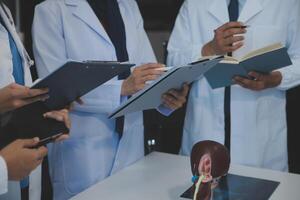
x=264 y=60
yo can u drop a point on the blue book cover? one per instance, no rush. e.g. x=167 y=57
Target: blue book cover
x=264 y=60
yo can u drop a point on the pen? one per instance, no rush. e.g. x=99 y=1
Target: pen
x=163 y=69
x=246 y=26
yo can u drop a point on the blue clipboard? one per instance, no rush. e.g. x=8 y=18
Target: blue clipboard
x=150 y=96
x=75 y=79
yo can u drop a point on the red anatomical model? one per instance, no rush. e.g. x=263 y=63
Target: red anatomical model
x=209 y=161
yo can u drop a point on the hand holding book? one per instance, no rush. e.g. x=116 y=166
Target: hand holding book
x=259 y=81
x=255 y=70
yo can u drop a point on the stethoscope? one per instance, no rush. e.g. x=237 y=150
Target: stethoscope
x=11 y=21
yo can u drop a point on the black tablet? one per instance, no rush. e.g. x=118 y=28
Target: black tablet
x=28 y=122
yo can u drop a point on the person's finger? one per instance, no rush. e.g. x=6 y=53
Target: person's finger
x=41 y=152
x=241 y=84
x=232 y=40
x=180 y=94
x=235 y=47
x=65 y=111
x=169 y=105
x=151 y=72
x=54 y=115
x=256 y=76
x=29 y=143
x=249 y=84
x=138 y=87
x=62 y=138
x=234 y=31
x=185 y=90
x=149 y=78
x=230 y=25
x=167 y=102
x=176 y=95
x=66 y=118
x=26 y=101
x=38 y=92
x=241 y=81
x=25 y=92
x=31 y=164
x=152 y=66
x=62 y=116
x=171 y=102
x=36 y=161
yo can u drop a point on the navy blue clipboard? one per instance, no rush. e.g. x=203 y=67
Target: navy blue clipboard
x=75 y=79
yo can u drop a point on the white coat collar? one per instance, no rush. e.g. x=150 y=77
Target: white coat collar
x=251 y=9
x=84 y=12
x=9 y=23
x=218 y=9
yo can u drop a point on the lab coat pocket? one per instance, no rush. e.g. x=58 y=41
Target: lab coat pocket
x=88 y=155
x=86 y=162
x=265 y=35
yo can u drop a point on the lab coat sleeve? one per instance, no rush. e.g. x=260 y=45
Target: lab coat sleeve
x=291 y=74
x=3 y=176
x=50 y=52
x=181 y=48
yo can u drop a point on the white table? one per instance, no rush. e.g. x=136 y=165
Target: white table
x=161 y=176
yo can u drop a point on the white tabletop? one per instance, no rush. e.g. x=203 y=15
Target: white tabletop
x=161 y=176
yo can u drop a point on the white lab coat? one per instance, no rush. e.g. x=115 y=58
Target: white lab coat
x=3 y=176
x=258 y=119
x=69 y=30
x=6 y=77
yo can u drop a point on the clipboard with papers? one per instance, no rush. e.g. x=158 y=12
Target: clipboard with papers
x=150 y=96
x=75 y=79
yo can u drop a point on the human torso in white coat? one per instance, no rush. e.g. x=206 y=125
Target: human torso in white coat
x=258 y=119
x=6 y=77
x=69 y=30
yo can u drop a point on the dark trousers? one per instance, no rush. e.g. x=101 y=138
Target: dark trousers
x=293 y=123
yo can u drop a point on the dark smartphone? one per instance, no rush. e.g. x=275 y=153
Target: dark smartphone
x=48 y=140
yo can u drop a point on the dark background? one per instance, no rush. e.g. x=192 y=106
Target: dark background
x=159 y=17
